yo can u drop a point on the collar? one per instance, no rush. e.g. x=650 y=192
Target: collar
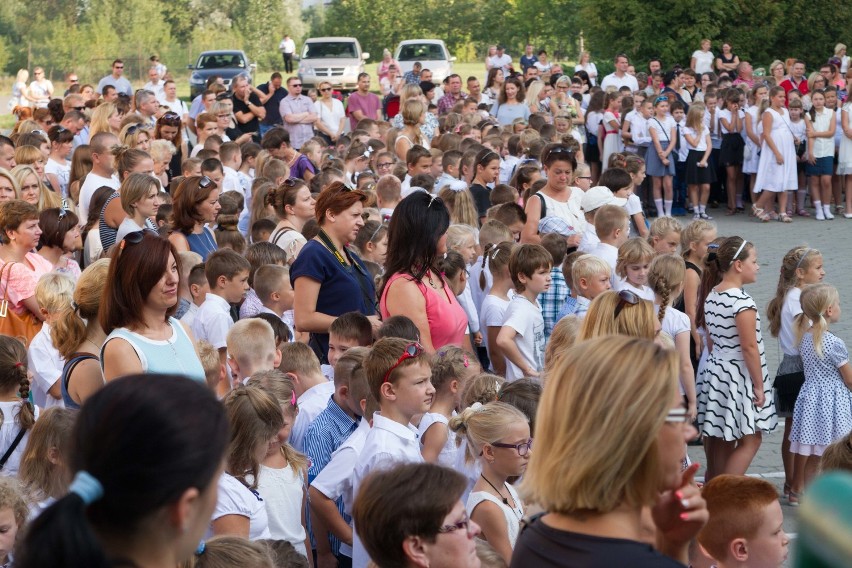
x=395 y=428
x=582 y=300
x=340 y=417
x=218 y=300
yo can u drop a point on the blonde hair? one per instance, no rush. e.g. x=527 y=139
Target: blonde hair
x=131 y=139
x=457 y=234
x=590 y=395
x=100 y=119
x=693 y=233
x=816 y=300
x=210 y=362
x=483 y=425
x=562 y=338
x=160 y=149
x=695 y=117
x=54 y=292
x=488 y=557
x=226 y=551
x=251 y=342
x=494 y=232
x=452 y=363
x=46 y=198
x=633 y=320
x=589 y=266
x=15 y=186
x=461 y=206
x=634 y=251
x=299 y=359
x=281 y=388
x=665 y=276
x=798 y=258
x=412 y=110
x=12 y=497
x=69 y=330
x=838 y=455
x=497 y=257
x=661 y=227
x=134 y=189
x=482 y=388
x=41 y=477
x=409 y=90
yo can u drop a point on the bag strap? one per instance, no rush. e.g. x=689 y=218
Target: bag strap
x=11 y=449
x=75 y=360
x=543 y=205
x=8 y=269
x=279 y=233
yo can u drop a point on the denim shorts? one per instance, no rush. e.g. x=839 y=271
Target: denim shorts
x=823 y=167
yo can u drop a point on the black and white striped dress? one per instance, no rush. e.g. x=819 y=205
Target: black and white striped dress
x=725 y=397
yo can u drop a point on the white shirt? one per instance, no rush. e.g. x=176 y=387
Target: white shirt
x=388 y=443
x=590 y=239
x=45 y=363
x=612 y=80
x=703 y=61
x=62 y=173
x=501 y=61
x=177 y=106
x=282 y=491
x=311 y=403
x=702 y=138
x=156 y=89
x=287 y=46
x=330 y=117
x=447 y=457
x=644 y=292
x=90 y=185
x=610 y=254
x=213 y=321
x=789 y=310
x=525 y=318
x=638 y=128
x=231 y=181
x=591 y=70
x=8 y=432
x=234 y=498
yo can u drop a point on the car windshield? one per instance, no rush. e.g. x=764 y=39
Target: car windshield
x=329 y=50
x=220 y=61
x=422 y=52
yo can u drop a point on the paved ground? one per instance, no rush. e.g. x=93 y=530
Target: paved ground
x=773 y=240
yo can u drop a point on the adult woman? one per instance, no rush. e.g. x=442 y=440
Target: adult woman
x=413 y=117
x=19 y=90
x=384 y=65
x=30 y=178
x=60 y=238
x=564 y=102
x=594 y=509
x=410 y=91
x=412 y=515
x=557 y=198
x=20 y=268
x=226 y=123
x=92 y=246
x=777 y=71
x=840 y=53
x=510 y=104
x=41 y=89
x=332 y=116
x=392 y=82
x=105 y=118
x=169 y=127
x=127 y=161
x=493 y=83
x=776 y=171
x=727 y=61
x=702 y=59
x=195 y=203
x=492 y=51
x=295 y=205
x=140 y=200
x=328 y=279
x=122 y=517
x=136 y=309
x=412 y=287
x=58 y=168
x=9 y=189
x=586 y=65
x=539 y=99
x=136 y=136
x=78 y=336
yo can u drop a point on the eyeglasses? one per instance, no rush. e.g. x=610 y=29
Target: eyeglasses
x=584 y=177
x=678 y=416
x=119 y=67
x=325 y=89
x=625 y=297
x=523 y=448
x=170 y=117
x=296 y=85
x=133 y=238
x=79 y=108
x=462 y=524
x=226 y=115
x=205 y=182
x=411 y=351
x=384 y=165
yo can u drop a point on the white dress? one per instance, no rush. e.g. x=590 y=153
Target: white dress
x=844 y=156
x=750 y=156
x=770 y=175
x=612 y=141
x=447 y=457
x=513 y=516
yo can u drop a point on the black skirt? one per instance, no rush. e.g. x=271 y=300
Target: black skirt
x=731 y=152
x=696 y=175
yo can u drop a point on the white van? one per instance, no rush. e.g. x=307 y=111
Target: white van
x=431 y=53
x=337 y=60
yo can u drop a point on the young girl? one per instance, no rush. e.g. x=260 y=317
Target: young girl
x=44 y=470
x=635 y=166
x=13 y=516
x=821 y=125
x=801 y=267
x=413 y=116
x=634 y=258
x=609 y=138
x=372 y=242
x=844 y=157
x=664 y=235
x=58 y=168
x=660 y=162
x=823 y=412
x=797 y=125
x=594 y=117
x=451 y=367
x=732 y=126
x=498 y=437
x=493 y=308
x=754 y=134
x=735 y=402
x=17 y=413
x=666 y=277
x=699 y=174
x=486 y=171
x=694 y=242
x=462 y=239
x=776 y=171
x=282 y=477
x=482 y=388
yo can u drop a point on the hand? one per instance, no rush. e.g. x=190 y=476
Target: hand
x=692 y=410
x=811 y=158
x=326 y=560
x=531 y=373
x=759 y=398
x=477 y=338
x=699 y=346
x=666 y=161
x=681 y=513
x=779 y=159
x=574 y=240
x=702 y=164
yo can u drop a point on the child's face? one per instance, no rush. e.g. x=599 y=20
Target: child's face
x=637 y=274
x=625 y=192
x=591 y=288
x=8 y=532
x=412 y=391
x=337 y=346
x=583 y=179
x=516 y=229
x=834 y=313
x=458 y=284
x=639 y=176
x=283 y=436
x=814 y=273
x=831 y=99
x=796 y=113
x=437 y=167
x=710 y=103
x=234 y=289
x=700 y=247
x=678 y=114
x=769 y=548
x=423 y=166
x=667 y=244
x=750 y=267
x=508 y=460
x=199 y=292
x=539 y=281
x=646 y=109
x=285 y=290
x=468 y=250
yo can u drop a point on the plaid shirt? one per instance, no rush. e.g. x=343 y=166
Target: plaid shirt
x=411 y=78
x=447 y=102
x=574 y=306
x=553 y=300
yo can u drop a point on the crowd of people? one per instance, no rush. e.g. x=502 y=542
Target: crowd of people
x=373 y=333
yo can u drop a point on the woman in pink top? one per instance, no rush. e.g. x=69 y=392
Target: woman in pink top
x=19 y=234
x=413 y=288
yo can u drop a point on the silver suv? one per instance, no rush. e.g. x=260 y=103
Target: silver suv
x=337 y=60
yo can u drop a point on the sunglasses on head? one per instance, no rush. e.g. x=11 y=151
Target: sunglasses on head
x=411 y=351
x=625 y=297
x=133 y=238
x=134 y=128
x=293 y=182
x=170 y=117
x=205 y=182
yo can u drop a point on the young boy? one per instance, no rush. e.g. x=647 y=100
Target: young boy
x=746 y=523
x=261 y=230
x=227 y=274
x=554 y=298
x=388 y=195
x=214 y=372
x=352 y=329
x=273 y=289
x=612 y=226
x=522 y=336
x=620 y=183
x=212 y=168
x=510 y=214
x=198 y=288
x=251 y=348
x=590 y=277
x=54 y=294
x=399 y=376
x=418 y=160
x=593 y=200
x=188 y=261
x=678 y=207
x=450 y=164
x=301 y=365
x=206 y=126
x=231 y=158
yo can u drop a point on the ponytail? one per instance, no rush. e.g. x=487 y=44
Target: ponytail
x=816 y=300
x=663 y=291
x=13 y=372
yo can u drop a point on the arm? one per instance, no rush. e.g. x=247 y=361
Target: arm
x=625 y=131
x=692 y=64
x=750 y=132
x=114 y=214
x=326 y=512
x=304 y=515
x=529 y=234
x=747 y=329
x=811 y=134
x=690 y=301
x=264 y=96
x=120 y=359
x=306 y=291
x=32 y=305
x=672 y=142
x=709 y=143
x=692 y=140
x=687 y=375
x=234 y=525
x=506 y=342
x=844 y=123
x=846 y=375
x=639 y=219
x=404 y=298
x=491 y=520
x=433 y=441
x=495 y=354
x=87 y=380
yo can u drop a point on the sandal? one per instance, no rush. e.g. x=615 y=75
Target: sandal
x=793 y=499
x=786 y=490
x=730 y=212
x=784 y=218
x=803 y=213
x=760 y=214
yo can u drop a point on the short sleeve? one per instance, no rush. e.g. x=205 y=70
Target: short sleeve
x=835 y=350
x=517 y=318
x=335 y=477
x=217 y=329
x=492 y=315
x=309 y=263
x=20 y=282
x=633 y=205
x=743 y=302
x=231 y=500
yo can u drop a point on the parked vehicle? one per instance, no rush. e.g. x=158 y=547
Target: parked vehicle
x=431 y=53
x=337 y=60
x=227 y=63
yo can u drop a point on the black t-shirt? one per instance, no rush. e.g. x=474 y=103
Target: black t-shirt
x=273 y=115
x=541 y=546
x=481 y=197
x=252 y=125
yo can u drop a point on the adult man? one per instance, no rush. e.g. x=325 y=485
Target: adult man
x=155 y=83
x=102 y=169
x=530 y=74
x=362 y=103
x=297 y=110
x=73 y=101
x=796 y=80
x=271 y=94
x=745 y=74
x=454 y=94
x=73 y=120
x=620 y=78
x=528 y=59
x=287 y=47
x=171 y=100
x=72 y=81
x=426 y=77
x=41 y=89
x=147 y=106
x=501 y=60
x=154 y=61
x=413 y=76
x=672 y=84
x=474 y=91
x=247 y=108
x=7 y=153
x=115 y=79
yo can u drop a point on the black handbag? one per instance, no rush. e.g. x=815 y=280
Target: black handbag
x=787 y=389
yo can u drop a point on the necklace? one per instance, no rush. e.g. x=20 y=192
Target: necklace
x=505 y=499
x=293 y=161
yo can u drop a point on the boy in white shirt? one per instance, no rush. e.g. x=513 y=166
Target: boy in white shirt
x=300 y=364
x=251 y=348
x=680 y=153
x=399 y=375
x=593 y=200
x=388 y=195
x=231 y=158
x=273 y=289
x=590 y=277
x=198 y=288
x=54 y=294
x=522 y=336
x=612 y=226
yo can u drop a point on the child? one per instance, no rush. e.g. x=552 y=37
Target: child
x=462 y=239
x=741 y=406
x=227 y=274
x=53 y=293
x=450 y=162
x=18 y=413
x=261 y=230
x=746 y=523
x=732 y=126
x=198 y=289
x=491 y=234
x=799 y=128
x=188 y=260
x=634 y=257
x=511 y=215
x=231 y=158
x=399 y=326
x=399 y=374
x=612 y=226
x=553 y=299
x=660 y=162
x=44 y=473
x=349 y=330
x=273 y=289
x=205 y=127
x=622 y=184
x=313 y=390
x=222 y=551
x=592 y=201
x=451 y=368
x=823 y=412
x=694 y=241
x=665 y=277
x=493 y=309
x=498 y=437
x=260 y=254
x=821 y=125
x=590 y=277
x=801 y=267
x=522 y=336
x=251 y=348
x=13 y=511
x=610 y=133
x=214 y=371
x=680 y=154
x=664 y=235
x=699 y=174
x=418 y=160
x=523 y=395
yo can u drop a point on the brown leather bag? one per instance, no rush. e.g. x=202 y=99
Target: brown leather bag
x=23 y=327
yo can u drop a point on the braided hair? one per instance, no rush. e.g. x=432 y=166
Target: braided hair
x=665 y=276
x=13 y=371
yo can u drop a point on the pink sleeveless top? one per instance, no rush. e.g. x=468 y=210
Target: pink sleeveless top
x=447 y=320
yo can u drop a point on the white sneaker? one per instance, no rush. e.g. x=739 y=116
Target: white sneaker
x=847 y=215
x=827 y=213
x=820 y=216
